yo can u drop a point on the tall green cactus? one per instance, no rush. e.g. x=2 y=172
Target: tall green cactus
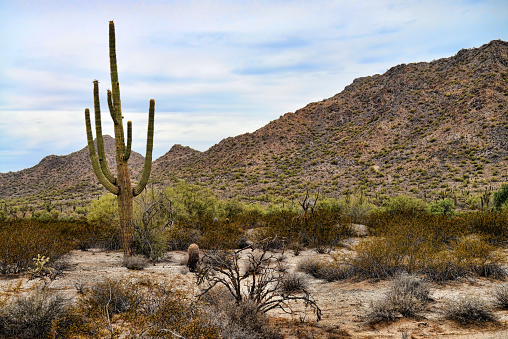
x=120 y=185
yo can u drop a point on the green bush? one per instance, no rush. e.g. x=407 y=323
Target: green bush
x=500 y=197
x=442 y=207
x=153 y=218
x=404 y=205
x=104 y=222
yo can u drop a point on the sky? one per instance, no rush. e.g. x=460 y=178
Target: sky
x=215 y=68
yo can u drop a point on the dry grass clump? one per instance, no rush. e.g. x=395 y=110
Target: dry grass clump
x=501 y=297
x=326 y=271
x=293 y=283
x=32 y=316
x=407 y=297
x=469 y=310
x=135 y=262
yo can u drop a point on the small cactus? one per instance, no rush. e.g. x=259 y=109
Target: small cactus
x=193 y=257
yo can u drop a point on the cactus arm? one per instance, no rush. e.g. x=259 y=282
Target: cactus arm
x=127 y=153
x=116 y=90
x=93 y=158
x=100 y=141
x=147 y=167
x=114 y=74
x=112 y=108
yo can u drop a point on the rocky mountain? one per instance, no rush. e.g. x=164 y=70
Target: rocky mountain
x=423 y=129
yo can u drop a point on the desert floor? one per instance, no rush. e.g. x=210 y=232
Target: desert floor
x=344 y=303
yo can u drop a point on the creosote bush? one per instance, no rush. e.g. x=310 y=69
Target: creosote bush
x=24 y=240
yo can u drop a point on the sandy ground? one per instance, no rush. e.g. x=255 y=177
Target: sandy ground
x=344 y=303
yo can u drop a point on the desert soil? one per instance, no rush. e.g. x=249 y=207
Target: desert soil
x=343 y=303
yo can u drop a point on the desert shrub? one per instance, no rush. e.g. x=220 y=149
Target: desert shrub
x=326 y=271
x=406 y=284
x=26 y=239
x=192 y=203
x=314 y=227
x=492 y=225
x=426 y=244
x=237 y=320
x=442 y=207
x=261 y=282
x=469 y=310
x=251 y=216
x=408 y=296
x=293 y=283
x=32 y=316
x=117 y=296
x=501 y=297
x=181 y=235
x=402 y=204
x=152 y=309
x=477 y=256
x=153 y=217
x=104 y=210
x=220 y=234
x=311 y=266
x=231 y=209
x=356 y=207
x=104 y=222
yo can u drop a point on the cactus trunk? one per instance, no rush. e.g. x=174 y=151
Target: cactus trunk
x=121 y=185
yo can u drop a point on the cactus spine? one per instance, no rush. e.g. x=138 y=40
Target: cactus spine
x=120 y=185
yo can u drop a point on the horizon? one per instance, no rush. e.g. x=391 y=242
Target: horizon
x=215 y=69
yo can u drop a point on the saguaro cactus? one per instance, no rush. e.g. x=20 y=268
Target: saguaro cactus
x=120 y=185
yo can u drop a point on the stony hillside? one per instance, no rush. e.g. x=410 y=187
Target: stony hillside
x=424 y=129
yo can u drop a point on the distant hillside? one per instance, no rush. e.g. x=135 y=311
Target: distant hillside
x=423 y=129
